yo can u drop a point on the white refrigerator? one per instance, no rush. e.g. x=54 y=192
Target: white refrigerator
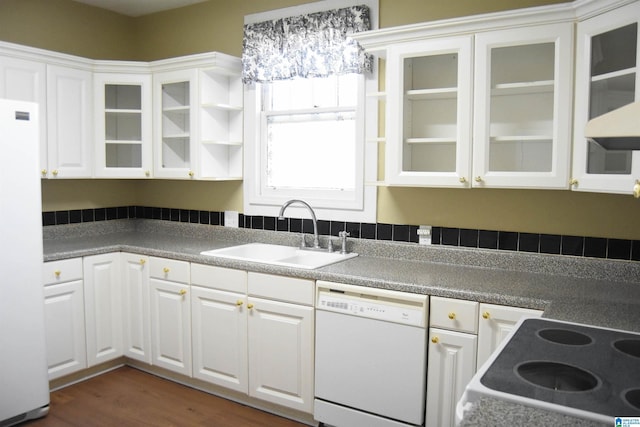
x=24 y=387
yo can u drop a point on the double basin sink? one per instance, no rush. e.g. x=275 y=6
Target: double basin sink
x=280 y=255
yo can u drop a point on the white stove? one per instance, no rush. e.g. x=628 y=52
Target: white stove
x=578 y=370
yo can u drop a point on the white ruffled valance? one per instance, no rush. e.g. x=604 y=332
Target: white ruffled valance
x=312 y=45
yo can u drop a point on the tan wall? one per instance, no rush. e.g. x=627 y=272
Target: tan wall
x=70 y=27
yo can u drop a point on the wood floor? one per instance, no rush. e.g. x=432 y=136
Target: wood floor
x=129 y=397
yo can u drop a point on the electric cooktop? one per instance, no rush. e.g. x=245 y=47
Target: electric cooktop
x=578 y=370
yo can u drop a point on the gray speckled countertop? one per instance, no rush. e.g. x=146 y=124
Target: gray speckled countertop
x=592 y=291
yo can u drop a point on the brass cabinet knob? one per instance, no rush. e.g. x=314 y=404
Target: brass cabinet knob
x=43 y=172
x=166 y=270
x=486 y=315
x=573 y=182
x=435 y=340
x=147 y=173
x=142 y=261
x=55 y=172
x=462 y=179
x=57 y=273
x=249 y=306
x=478 y=178
x=191 y=174
x=183 y=291
x=239 y=302
x=452 y=315
x=636 y=189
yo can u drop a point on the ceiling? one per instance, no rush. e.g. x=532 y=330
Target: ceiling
x=138 y=7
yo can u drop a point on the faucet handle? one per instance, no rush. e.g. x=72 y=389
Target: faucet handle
x=343 y=240
x=329 y=244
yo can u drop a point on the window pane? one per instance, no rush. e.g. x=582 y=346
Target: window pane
x=311 y=151
x=326 y=92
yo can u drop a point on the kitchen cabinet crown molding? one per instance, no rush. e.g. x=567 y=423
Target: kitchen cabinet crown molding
x=207 y=59
x=377 y=41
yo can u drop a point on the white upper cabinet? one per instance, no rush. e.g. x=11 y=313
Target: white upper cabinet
x=175 y=124
x=428 y=135
x=480 y=101
x=25 y=80
x=123 y=125
x=221 y=124
x=69 y=122
x=522 y=107
x=607 y=77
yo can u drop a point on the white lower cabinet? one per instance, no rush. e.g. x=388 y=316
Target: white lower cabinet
x=219 y=326
x=170 y=315
x=281 y=340
x=462 y=335
x=253 y=333
x=495 y=324
x=64 y=317
x=103 y=307
x=136 y=328
x=451 y=365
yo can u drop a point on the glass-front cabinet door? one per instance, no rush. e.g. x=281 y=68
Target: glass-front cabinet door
x=123 y=125
x=522 y=107
x=607 y=78
x=428 y=128
x=175 y=93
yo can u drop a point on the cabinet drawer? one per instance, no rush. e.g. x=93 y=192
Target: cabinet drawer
x=454 y=314
x=61 y=271
x=226 y=279
x=289 y=289
x=169 y=269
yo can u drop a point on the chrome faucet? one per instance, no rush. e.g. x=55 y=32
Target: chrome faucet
x=316 y=241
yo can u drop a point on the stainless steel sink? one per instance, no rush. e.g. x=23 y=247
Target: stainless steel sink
x=578 y=370
x=286 y=256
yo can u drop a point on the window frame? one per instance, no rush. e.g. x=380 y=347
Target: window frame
x=362 y=205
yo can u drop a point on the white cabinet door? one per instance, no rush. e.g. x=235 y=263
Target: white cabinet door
x=522 y=107
x=281 y=353
x=495 y=324
x=103 y=307
x=428 y=131
x=171 y=325
x=123 y=133
x=175 y=124
x=69 y=121
x=607 y=77
x=452 y=363
x=135 y=307
x=219 y=331
x=25 y=80
x=65 y=328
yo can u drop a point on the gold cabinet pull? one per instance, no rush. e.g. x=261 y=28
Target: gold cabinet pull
x=142 y=261
x=183 y=291
x=478 y=178
x=435 y=340
x=486 y=315
x=462 y=180
x=249 y=306
x=191 y=174
x=239 y=302
x=573 y=182
x=43 y=172
x=147 y=173
x=636 y=189
x=452 y=315
x=57 y=273
x=55 y=172
x=166 y=270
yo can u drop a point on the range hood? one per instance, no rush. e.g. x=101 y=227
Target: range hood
x=618 y=129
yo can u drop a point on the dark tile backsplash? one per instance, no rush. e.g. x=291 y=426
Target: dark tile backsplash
x=594 y=247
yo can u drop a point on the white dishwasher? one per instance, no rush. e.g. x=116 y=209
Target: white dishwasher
x=370 y=356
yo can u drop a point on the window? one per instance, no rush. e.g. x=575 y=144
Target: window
x=305 y=138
